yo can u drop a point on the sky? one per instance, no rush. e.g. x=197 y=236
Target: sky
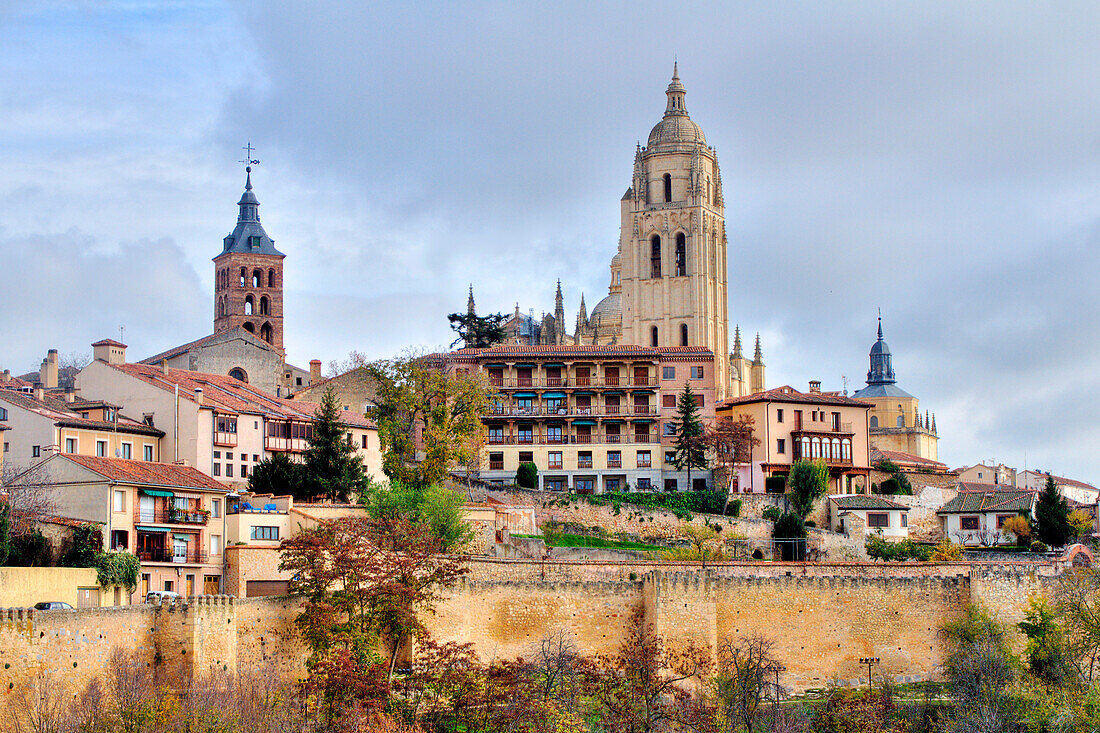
x=940 y=161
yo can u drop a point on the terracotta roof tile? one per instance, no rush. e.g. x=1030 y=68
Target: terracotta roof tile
x=501 y=350
x=67 y=414
x=787 y=393
x=990 y=499
x=900 y=458
x=864 y=501
x=148 y=474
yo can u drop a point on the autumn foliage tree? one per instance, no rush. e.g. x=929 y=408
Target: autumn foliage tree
x=364 y=581
x=730 y=442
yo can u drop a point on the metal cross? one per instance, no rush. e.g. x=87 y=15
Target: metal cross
x=248 y=159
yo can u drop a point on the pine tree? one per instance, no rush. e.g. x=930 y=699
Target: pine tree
x=1052 y=525
x=332 y=467
x=478 y=332
x=691 y=450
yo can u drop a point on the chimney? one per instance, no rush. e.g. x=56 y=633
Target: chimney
x=39 y=393
x=70 y=394
x=815 y=386
x=47 y=373
x=110 y=351
x=6 y=376
x=198 y=395
x=163 y=366
x=314 y=370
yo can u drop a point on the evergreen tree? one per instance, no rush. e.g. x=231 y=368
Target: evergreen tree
x=279 y=475
x=1052 y=525
x=476 y=331
x=332 y=467
x=5 y=532
x=691 y=449
x=807 y=482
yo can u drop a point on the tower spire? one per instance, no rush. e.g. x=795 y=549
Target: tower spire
x=737 y=343
x=676 y=93
x=470 y=302
x=758 y=357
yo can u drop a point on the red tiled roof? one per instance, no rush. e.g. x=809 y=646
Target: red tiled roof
x=109 y=342
x=501 y=350
x=148 y=474
x=67 y=414
x=225 y=394
x=183 y=348
x=900 y=458
x=15 y=382
x=787 y=393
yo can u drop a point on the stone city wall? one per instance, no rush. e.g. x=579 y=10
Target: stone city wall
x=823 y=617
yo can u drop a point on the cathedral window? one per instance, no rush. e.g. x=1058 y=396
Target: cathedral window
x=901 y=421
x=668 y=188
x=655 y=256
x=874 y=421
x=681 y=255
x=653 y=336
x=709 y=200
x=249 y=305
x=257 y=279
x=244 y=275
x=250 y=327
x=683 y=334
x=263 y=306
x=238 y=374
x=271 y=278
x=265 y=332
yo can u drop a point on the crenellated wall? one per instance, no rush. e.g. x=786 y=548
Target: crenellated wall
x=822 y=617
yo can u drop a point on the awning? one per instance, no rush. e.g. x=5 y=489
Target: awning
x=142 y=528
x=553 y=395
x=526 y=365
x=554 y=364
x=642 y=419
x=524 y=394
x=183 y=537
x=157 y=492
x=584 y=422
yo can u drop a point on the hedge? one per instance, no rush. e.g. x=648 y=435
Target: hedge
x=682 y=503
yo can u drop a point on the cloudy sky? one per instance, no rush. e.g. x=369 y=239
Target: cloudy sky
x=940 y=161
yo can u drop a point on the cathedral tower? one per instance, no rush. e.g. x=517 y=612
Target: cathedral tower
x=673 y=241
x=248 y=276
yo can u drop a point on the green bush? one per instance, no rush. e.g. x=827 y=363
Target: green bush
x=771 y=513
x=117 y=568
x=527 y=477
x=1038 y=546
x=735 y=508
x=696 y=502
x=775 y=484
x=789 y=526
x=880 y=549
x=29 y=550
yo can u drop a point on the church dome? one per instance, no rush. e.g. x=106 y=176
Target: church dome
x=676 y=127
x=674 y=130
x=608 y=311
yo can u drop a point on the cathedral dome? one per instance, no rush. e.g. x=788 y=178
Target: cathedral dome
x=608 y=311
x=676 y=129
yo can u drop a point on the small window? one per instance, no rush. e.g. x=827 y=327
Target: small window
x=697 y=372
x=968 y=523
x=670 y=429
x=101 y=448
x=668 y=188
x=264 y=533
x=363 y=438
x=904 y=519
x=681 y=256
x=147 y=452
x=670 y=456
x=779 y=415
x=70 y=445
x=668 y=400
x=653 y=336
x=668 y=372
x=670 y=484
x=217 y=469
x=217 y=454
x=683 y=334
x=215 y=508
x=120 y=539
x=119 y=500
x=127 y=450
x=874 y=424
x=215 y=544
x=229 y=470
x=781 y=445
x=878 y=519
x=3 y=414
x=655 y=257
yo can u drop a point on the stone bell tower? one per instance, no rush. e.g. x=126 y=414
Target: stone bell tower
x=673 y=241
x=248 y=276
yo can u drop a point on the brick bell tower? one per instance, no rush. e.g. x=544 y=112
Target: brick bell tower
x=248 y=276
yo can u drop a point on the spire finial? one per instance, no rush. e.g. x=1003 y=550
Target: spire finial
x=675 y=68
x=248 y=161
x=880 y=324
x=737 y=343
x=758 y=357
x=470 y=301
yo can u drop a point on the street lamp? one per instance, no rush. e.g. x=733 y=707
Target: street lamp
x=870 y=662
x=776 y=668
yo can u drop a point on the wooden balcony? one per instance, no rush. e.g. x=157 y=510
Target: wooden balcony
x=594 y=438
x=226 y=439
x=291 y=445
x=170 y=515
x=570 y=382
x=568 y=411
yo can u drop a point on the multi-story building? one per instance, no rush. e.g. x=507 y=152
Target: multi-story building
x=896 y=422
x=217 y=423
x=591 y=418
x=39 y=424
x=171 y=517
x=793 y=425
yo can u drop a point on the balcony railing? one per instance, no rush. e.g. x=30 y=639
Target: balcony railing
x=171 y=515
x=594 y=438
x=168 y=554
x=571 y=411
x=293 y=445
x=584 y=463
x=560 y=382
x=225 y=439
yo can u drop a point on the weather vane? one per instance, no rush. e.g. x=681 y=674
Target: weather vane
x=249 y=161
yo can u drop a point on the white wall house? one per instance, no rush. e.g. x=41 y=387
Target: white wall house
x=879 y=515
x=976 y=518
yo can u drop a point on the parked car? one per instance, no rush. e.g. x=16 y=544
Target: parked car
x=51 y=606
x=162 y=595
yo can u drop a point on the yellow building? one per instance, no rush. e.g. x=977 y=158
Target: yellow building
x=895 y=423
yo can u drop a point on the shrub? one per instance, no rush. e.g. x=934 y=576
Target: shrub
x=889 y=486
x=946 y=551
x=527 y=477
x=880 y=549
x=771 y=513
x=699 y=502
x=1037 y=546
x=808 y=482
x=117 y=568
x=775 y=484
x=1020 y=527
x=735 y=508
